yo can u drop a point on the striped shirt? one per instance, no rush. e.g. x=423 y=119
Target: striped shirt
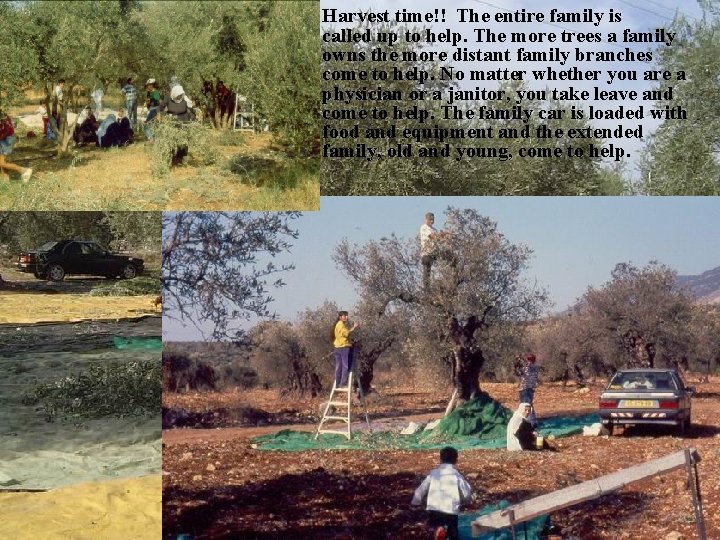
x=529 y=376
x=130 y=93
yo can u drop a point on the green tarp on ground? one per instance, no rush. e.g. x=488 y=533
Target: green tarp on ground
x=529 y=530
x=138 y=343
x=480 y=423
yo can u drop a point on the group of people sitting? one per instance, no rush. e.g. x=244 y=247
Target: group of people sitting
x=112 y=131
x=118 y=131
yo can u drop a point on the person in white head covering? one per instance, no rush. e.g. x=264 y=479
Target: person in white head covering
x=520 y=416
x=521 y=434
x=177 y=105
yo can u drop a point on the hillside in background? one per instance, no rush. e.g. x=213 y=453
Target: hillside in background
x=706 y=286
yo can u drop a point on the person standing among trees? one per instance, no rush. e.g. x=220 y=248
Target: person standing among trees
x=343 y=348
x=430 y=251
x=152 y=102
x=130 y=101
x=527 y=385
x=58 y=103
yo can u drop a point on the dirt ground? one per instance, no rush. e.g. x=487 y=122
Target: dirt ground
x=27 y=300
x=216 y=485
x=92 y=178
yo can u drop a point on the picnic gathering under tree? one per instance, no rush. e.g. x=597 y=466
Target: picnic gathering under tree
x=179 y=81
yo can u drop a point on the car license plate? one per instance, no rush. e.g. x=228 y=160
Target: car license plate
x=639 y=404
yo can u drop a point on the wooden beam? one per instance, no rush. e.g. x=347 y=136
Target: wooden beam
x=451 y=404
x=582 y=492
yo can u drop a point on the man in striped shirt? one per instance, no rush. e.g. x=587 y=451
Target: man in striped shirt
x=527 y=385
x=130 y=101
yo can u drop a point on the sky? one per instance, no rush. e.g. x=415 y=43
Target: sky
x=576 y=241
x=637 y=16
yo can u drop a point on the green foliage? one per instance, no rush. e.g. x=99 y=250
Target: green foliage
x=681 y=157
x=211 y=272
x=196 y=41
x=640 y=318
x=281 y=78
x=131 y=389
x=129 y=287
x=272 y=172
x=135 y=231
x=17 y=67
x=229 y=138
x=171 y=135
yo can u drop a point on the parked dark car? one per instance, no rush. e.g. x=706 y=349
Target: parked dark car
x=55 y=260
x=646 y=396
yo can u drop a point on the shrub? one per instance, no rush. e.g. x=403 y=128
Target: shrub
x=183 y=373
x=131 y=389
x=171 y=135
x=129 y=287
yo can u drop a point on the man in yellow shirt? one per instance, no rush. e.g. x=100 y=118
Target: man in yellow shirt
x=343 y=348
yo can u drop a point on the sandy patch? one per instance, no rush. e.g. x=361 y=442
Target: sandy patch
x=29 y=308
x=120 y=509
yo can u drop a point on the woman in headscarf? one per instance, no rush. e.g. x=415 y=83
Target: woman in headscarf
x=515 y=424
x=520 y=432
x=179 y=108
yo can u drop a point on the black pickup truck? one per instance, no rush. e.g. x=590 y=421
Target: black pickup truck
x=55 y=260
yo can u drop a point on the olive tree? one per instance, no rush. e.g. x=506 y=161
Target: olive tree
x=281 y=76
x=476 y=291
x=18 y=63
x=639 y=318
x=218 y=269
x=681 y=157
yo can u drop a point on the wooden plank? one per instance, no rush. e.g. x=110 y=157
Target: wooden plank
x=582 y=492
x=451 y=404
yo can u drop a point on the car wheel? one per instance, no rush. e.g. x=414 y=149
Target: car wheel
x=610 y=428
x=129 y=271
x=55 y=272
x=681 y=427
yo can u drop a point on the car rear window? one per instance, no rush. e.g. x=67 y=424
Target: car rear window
x=642 y=381
x=47 y=246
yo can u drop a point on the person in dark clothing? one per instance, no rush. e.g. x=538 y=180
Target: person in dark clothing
x=114 y=132
x=86 y=132
x=176 y=105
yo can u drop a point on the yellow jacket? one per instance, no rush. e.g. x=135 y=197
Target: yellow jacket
x=342 y=335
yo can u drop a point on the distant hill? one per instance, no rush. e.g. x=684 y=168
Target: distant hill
x=706 y=286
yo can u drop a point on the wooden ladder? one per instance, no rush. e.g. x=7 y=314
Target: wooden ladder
x=341 y=403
